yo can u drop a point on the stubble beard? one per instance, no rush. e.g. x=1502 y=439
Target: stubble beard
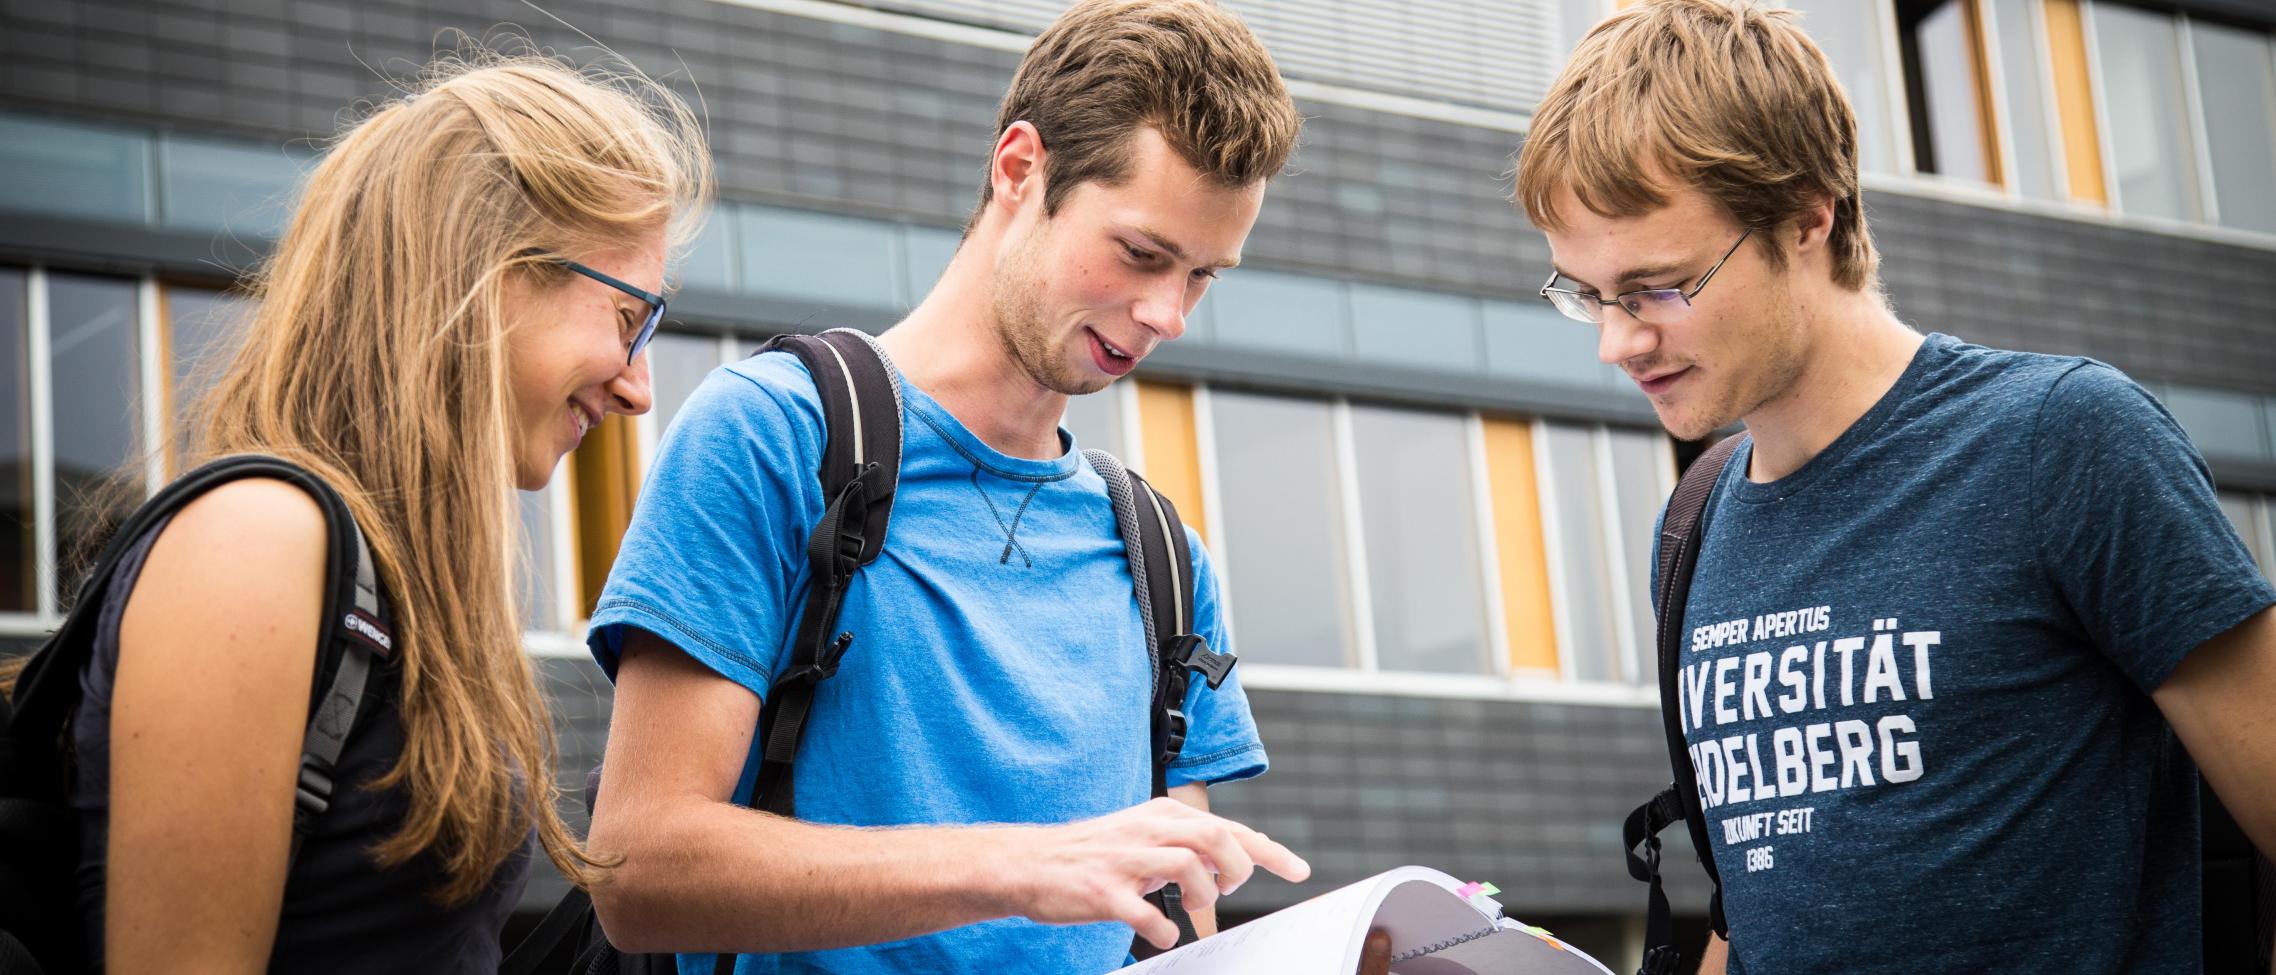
x=1016 y=303
x=1777 y=352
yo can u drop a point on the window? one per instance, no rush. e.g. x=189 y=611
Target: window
x=2023 y=105
x=2145 y=112
x=537 y=574
x=1852 y=34
x=201 y=332
x=1424 y=559
x=677 y=364
x=1943 y=48
x=94 y=365
x=1286 y=565
x=1097 y=422
x=2236 y=79
x=19 y=523
x=1601 y=493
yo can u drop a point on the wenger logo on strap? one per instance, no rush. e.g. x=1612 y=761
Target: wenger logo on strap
x=369 y=630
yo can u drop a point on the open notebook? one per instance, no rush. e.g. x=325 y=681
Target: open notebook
x=1434 y=931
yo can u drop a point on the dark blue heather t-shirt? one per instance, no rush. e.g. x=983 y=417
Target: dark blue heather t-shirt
x=1918 y=674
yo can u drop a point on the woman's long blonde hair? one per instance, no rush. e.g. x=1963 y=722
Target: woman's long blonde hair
x=377 y=358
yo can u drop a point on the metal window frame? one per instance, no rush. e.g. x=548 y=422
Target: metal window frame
x=2098 y=88
x=36 y=313
x=1615 y=538
x=1364 y=650
x=2050 y=117
x=1488 y=547
x=152 y=336
x=1553 y=549
x=2200 y=127
x=1893 y=90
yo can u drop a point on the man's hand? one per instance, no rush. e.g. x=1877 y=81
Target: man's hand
x=1101 y=869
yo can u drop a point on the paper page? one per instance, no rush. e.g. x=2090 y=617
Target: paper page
x=1314 y=936
x=1423 y=911
x=1416 y=904
x=1513 y=950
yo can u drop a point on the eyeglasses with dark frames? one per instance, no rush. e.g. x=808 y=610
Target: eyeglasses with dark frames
x=655 y=303
x=1652 y=306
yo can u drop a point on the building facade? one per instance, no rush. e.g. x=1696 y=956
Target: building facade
x=1430 y=503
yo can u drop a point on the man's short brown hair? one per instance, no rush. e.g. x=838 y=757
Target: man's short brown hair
x=1188 y=68
x=1725 y=96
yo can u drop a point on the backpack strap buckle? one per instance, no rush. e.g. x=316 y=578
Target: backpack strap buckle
x=1173 y=734
x=1191 y=652
x=313 y=794
x=825 y=665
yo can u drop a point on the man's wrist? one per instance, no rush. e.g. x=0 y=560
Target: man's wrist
x=982 y=864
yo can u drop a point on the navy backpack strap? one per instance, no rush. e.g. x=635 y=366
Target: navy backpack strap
x=1678 y=555
x=1161 y=576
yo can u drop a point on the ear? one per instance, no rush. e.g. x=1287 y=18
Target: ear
x=1812 y=227
x=1015 y=169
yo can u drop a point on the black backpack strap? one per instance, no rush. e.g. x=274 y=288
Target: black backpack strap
x=1161 y=575
x=861 y=464
x=357 y=631
x=1678 y=555
x=353 y=630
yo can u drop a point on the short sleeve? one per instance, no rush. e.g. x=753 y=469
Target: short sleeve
x=711 y=562
x=1221 y=742
x=2129 y=528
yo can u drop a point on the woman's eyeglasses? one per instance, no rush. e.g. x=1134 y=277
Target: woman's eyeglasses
x=655 y=304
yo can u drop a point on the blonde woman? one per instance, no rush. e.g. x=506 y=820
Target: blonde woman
x=461 y=295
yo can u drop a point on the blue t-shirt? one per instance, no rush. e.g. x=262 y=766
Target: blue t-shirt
x=998 y=673
x=1917 y=680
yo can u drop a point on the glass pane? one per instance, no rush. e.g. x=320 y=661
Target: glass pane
x=1850 y=33
x=74 y=170
x=19 y=535
x=243 y=188
x=2148 y=112
x=2236 y=80
x=1424 y=559
x=1096 y=421
x=534 y=575
x=1282 y=531
x=202 y=332
x=1574 y=508
x=815 y=257
x=2024 y=80
x=1948 y=82
x=1640 y=463
x=676 y=366
x=94 y=360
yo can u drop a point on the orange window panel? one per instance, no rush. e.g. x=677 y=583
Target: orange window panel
x=604 y=479
x=1987 y=111
x=1173 y=454
x=1519 y=545
x=2074 y=101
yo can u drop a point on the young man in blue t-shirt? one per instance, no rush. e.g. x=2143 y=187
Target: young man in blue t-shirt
x=1966 y=622
x=972 y=794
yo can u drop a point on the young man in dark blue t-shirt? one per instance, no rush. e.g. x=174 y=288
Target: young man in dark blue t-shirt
x=1966 y=622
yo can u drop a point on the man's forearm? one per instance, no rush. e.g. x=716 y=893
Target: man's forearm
x=710 y=876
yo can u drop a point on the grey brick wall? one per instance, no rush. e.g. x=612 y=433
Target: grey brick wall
x=852 y=119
